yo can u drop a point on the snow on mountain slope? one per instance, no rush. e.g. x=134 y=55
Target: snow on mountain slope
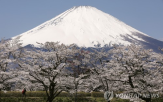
x=85 y=26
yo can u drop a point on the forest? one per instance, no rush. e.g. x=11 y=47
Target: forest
x=56 y=68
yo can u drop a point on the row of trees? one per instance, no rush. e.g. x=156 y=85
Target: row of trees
x=55 y=67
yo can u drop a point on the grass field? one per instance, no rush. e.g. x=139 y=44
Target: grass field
x=57 y=99
x=40 y=96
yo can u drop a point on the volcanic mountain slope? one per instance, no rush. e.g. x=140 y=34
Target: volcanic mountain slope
x=87 y=26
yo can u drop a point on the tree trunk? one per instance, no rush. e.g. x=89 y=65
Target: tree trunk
x=147 y=99
x=49 y=99
x=76 y=93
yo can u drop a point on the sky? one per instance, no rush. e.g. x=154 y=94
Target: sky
x=19 y=16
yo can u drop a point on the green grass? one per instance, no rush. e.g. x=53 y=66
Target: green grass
x=40 y=96
x=20 y=99
x=66 y=99
x=58 y=99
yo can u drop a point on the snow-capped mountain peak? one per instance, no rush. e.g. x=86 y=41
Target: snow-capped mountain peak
x=84 y=26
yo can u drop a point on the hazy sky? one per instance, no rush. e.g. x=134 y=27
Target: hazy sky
x=18 y=16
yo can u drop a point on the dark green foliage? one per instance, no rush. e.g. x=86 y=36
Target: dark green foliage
x=83 y=94
x=36 y=94
x=119 y=100
x=21 y=99
x=19 y=94
x=97 y=94
x=60 y=99
x=157 y=100
x=11 y=94
x=40 y=96
x=63 y=94
x=69 y=99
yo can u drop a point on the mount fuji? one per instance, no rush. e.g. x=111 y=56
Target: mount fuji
x=87 y=26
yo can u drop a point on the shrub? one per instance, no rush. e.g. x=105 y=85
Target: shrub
x=14 y=99
x=40 y=94
x=36 y=94
x=61 y=99
x=63 y=94
x=19 y=94
x=97 y=94
x=119 y=100
x=157 y=100
x=11 y=94
x=84 y=94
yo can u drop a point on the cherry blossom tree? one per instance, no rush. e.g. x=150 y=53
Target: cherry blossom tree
x=48 y=67
x=160 y=57
x=137 y=70
x=10 y=53
x=57 y=67
x=79 y=70
x=99 y=73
